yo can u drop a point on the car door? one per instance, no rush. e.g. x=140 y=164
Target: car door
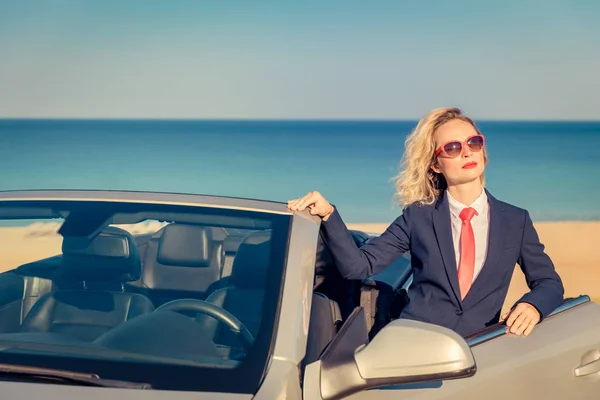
x=559 y=360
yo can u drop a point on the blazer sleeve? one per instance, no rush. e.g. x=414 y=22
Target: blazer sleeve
x=359 y=263
x=546 y=286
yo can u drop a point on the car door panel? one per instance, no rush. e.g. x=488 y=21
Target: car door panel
x=510 y=367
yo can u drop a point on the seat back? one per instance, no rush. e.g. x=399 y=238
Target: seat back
x=91 y=299
x=230 y=246
x=181 y=261
x=325 y=320
x=244 y=295
x=329 y=281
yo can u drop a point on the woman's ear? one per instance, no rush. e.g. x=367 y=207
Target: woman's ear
x=434 y=167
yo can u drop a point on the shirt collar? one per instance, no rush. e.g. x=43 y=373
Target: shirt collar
x=479 y=204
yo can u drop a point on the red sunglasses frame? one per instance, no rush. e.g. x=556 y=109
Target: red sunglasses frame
x=462 y=144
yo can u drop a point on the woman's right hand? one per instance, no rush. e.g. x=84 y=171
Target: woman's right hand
x=315 y=202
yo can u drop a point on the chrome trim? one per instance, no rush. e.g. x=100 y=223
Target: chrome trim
x=183 y=199
x=570 y=303
x=501 y=330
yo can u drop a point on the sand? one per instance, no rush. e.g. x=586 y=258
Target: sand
x=571 y=245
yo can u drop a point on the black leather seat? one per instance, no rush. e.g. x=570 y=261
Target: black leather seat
x=329 y=281
x=181 y=261
x=244 y=295
x=91 y=299
x=325 y=321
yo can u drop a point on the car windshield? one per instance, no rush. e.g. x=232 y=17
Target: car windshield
x=180 y=297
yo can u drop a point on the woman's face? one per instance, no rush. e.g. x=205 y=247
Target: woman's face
x=469 y=165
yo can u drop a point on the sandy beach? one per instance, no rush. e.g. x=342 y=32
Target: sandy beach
x=571 y=245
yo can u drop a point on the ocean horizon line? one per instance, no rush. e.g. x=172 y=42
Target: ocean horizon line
x=290 y=120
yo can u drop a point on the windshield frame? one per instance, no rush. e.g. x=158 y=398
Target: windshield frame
x=246 y=378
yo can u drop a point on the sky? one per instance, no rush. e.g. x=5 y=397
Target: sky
x=336 y=59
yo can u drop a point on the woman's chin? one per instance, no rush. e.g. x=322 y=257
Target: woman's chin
x=465 y=177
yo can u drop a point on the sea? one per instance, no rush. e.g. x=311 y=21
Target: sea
x=549 y=168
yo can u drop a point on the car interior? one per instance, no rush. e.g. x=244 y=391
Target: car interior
x=88 y=290
x=109 y=292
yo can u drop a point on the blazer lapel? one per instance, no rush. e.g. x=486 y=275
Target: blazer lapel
x=497 y=234
x=442 y=227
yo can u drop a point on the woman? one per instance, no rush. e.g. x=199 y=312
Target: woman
x=463 y=242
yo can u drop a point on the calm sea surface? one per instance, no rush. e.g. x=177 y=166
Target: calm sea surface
x=550 y=168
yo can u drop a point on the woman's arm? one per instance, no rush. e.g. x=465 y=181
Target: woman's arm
x=546 y=286
x=358 y=263
x=354 y=262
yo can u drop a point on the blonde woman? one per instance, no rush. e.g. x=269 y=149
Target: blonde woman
x=464 y=243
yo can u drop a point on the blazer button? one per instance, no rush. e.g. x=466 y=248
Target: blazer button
x=459 y=312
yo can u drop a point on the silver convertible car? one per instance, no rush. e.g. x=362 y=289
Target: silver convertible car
x=135 y=296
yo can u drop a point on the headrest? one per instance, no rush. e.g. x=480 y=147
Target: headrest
x=252 y=260
x=185 y=246
x=231 y=243
x=112 y=255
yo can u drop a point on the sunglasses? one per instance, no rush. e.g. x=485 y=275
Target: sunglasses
x=454 y=148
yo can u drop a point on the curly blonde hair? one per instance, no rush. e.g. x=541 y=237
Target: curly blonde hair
x=417 y=182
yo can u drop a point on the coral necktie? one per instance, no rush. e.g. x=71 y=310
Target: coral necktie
x=466 y=266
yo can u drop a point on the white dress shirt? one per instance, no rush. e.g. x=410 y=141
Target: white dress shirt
x=480 y=223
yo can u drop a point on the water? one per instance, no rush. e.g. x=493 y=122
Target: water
x=549 y=168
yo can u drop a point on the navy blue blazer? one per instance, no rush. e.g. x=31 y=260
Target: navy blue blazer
x=434 y=295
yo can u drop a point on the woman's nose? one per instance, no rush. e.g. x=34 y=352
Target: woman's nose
x=466 y=151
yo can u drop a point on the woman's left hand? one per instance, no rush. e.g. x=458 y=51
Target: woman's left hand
x=521 y=319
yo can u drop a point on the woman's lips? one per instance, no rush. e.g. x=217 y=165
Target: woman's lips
x=469 y=165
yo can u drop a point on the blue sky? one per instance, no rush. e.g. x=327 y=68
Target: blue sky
x=299 y=59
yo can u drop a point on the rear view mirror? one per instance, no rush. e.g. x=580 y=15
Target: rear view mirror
x=105 y=245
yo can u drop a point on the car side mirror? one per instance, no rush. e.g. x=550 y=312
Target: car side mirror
x=408 y=351
x=404 y=351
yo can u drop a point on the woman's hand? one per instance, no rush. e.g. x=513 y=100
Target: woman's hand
x=522 y=319
x=315 y=202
